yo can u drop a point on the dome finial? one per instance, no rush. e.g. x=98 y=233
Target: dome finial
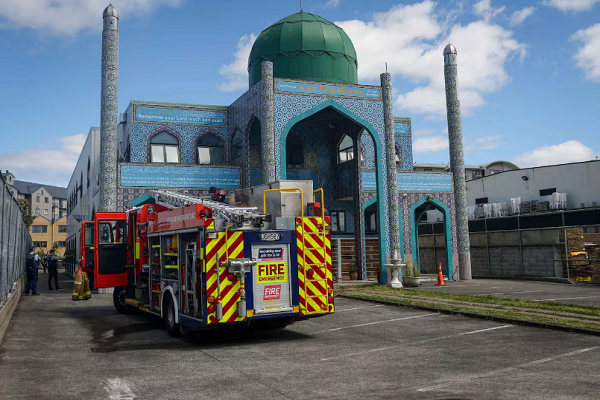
x=450 y=49
x=110 y=11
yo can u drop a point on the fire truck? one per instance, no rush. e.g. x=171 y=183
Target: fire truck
x=261 y=256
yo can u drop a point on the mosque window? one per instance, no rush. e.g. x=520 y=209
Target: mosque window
x=164 y=148
x=295 y=151
x=345 y=149
x=210 y=150
x=398 y=156
x=237 y=145
x=338 y=221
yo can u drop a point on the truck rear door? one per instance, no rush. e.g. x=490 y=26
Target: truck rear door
x=110 y=249
x=87 y=246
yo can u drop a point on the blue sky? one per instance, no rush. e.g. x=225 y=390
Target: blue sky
x=529 y=70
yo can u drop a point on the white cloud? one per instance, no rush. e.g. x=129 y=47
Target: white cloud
x=483 y=143
x=566 y=152
x=411 y=38
x=588 y=56
x=571 y=5
x=430 y=144
x=43 y=165
x=236 y=73
x=485 y=10
x=422 y=132
x=519 y=16
x=68 y=17
x=332 y=3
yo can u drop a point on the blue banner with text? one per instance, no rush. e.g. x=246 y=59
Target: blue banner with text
x=179 y=177
x=331 y=90
x=148 y=114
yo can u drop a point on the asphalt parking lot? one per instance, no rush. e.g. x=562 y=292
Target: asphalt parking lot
x=59 y=349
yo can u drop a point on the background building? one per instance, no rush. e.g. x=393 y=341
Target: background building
x=45 y=233
x=471 y=171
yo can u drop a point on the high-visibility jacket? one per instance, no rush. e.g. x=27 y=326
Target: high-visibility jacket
x=81 y=286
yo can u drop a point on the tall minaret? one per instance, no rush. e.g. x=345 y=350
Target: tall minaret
x=457 y=162
x=109 y=110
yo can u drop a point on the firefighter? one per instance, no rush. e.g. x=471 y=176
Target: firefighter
x=81 y=285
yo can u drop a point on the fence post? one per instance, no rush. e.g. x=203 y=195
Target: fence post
x=3 y=247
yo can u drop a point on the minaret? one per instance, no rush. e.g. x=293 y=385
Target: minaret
x=457 y=162
x=109 y=110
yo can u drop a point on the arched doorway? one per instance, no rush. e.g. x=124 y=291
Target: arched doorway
x=431 y=236
x=331 y=136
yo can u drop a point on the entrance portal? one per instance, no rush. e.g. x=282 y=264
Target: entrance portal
x=432 y=240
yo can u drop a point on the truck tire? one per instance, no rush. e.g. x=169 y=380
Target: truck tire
x=119 y=296
x=173 y=328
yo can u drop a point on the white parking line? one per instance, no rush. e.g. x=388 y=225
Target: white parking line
x=358 y=308
x=376 y=322
x=569 y=298
x=421 y=341
x=466 y=333
x=508 y=369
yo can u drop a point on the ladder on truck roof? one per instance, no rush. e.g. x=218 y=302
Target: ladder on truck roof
x=240 y=217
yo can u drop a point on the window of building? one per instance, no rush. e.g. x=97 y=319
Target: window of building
x=39 y=229
x=42 y=192
x=338 y=221
x=427 y=169
x=37 y=210
x=591 y=229
x=164 y=148
x=40 y=244
x=211 y=150
x=371 y=221
x=37 y=198
x=46 y=200
x=62 y=229
x=481 y=200
x=88 y=173
x=61 y=244
x=45 y=211
x=294 y=151
x=237 y=145
x=547 y=192
x=477 y=173
x=345 y=149
x=398 y=155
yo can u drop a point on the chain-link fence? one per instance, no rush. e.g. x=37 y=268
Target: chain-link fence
x=15 y=242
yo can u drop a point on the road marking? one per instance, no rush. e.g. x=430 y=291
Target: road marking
x=421 y=341
x=569 y=298
x=508 y=369
x=377 y=322
x=465 y=333
x=119 y=389
x=357 y=308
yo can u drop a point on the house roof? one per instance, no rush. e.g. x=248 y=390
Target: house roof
x=30 y=187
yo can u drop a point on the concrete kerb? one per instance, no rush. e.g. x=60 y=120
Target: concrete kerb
x=528 y=278
x=8 y=308
x=483 y=316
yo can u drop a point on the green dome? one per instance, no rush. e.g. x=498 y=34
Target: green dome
x=306 y=47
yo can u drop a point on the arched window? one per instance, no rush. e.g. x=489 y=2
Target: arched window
x=237 y=145
x=345 y=149
x=164 y=148
x=398 y=156
x=294 y=150
x=210 y=150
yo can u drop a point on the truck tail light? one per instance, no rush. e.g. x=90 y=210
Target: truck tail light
x=211 y=309
x=211 y=299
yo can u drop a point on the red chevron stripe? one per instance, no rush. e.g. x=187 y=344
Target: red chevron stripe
x=230 y=304
x=315 y=299
x=216 y=249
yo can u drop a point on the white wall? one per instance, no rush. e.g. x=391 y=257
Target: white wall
x=580 y=181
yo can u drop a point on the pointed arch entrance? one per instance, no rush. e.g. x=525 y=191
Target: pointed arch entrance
x=417 y=212
x=341 y=175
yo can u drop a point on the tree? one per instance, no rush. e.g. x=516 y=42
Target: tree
x=26 y=211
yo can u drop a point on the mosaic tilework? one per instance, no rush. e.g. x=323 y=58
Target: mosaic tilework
x=367 y=151
x=456 y=155
x=287 y=106
x=142 y=133
x=268 y=122
x=108 y=120
x=390 y=147
x=241 y=116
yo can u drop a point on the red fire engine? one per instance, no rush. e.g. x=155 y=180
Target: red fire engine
x=265 y=258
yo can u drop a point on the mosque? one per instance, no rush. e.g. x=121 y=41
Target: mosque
x=304 y=116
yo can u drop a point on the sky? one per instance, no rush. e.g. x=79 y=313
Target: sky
x=529 y=71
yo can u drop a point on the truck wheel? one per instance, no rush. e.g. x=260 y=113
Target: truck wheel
x=119 y=296
x=173 y=328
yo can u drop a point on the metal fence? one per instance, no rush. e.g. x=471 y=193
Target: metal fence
x=15 y=242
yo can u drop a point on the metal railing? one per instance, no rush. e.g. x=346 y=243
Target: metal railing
x=15 y=242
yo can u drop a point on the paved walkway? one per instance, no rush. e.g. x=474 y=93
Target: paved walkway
x=583 y=294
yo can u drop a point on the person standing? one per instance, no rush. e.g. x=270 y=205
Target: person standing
x=32 y=265
x=52 y=264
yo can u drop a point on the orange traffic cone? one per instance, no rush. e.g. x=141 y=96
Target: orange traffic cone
x=440 y=277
